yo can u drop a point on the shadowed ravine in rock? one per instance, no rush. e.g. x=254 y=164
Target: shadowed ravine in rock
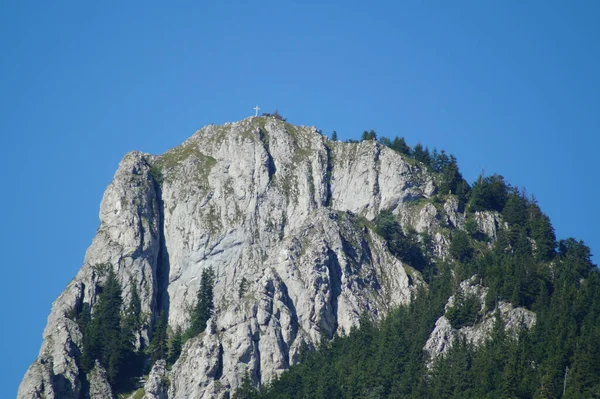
x=163 y=264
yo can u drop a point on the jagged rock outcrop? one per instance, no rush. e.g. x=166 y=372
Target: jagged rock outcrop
x=489 y=223
x=455 y=217
x=158 y=382
x=443 y=335
x=99 y=386
x=261 y=201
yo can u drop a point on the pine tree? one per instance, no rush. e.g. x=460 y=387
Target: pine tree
x=465 y=310
x=105 y=333
x=489 y=193
x=385 y=141
x=400 y=145
x=421 y=154
x=460 y=246
x=132 y=318
x=134 y=309
x=246 y=390
x=175 y=344
x=86 y=360
x=334 y=136
x=369 y=135
x=204 y=304
x=545 y=390
x=243 y=288
x=158 y=348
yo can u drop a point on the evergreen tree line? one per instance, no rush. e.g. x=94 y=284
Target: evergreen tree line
x=109 y=333
x=558 y=357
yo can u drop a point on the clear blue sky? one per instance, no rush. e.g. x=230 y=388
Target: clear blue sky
x=509 y=86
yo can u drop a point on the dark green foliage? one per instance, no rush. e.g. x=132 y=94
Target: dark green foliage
x=204 y=305
x=134 y=309
x=369 y=135
x=87 y=358
x=132 y=319
x=334 y=136
x=465 y=310
x=106 y=328
x=450 y=377
x=175 y=344
x=398 y=144
x=451 y=181
x=105 y=336
x=421 y=154
x=460 y=246
x=575 y=259
x=246 y=390
x=471 y=226
x=158 y=348
x=541 y=231
x=243 y=288
x=275 y=115
x=385 y=141
x=489 y=193
x=406 y=247
x=515 y=210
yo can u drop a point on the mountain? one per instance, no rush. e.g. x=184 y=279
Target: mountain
x=223 y=262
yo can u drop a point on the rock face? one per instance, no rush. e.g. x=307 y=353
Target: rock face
x=99 y=386
x=158 y=382
x=443 y=335
x=274 y=208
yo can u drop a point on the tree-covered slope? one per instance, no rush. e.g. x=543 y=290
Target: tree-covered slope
x=559 y=356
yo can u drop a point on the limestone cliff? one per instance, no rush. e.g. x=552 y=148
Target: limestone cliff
x=262 y=201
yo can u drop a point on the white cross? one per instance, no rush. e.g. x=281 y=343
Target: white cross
x=256 y=110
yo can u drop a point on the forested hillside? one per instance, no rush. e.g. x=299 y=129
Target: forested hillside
x=524 y=265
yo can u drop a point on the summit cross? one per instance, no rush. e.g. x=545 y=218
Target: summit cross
x=256 y=110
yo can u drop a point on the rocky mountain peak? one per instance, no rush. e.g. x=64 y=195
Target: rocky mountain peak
x=282 y=216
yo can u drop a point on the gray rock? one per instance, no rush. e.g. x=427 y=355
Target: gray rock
x=261 y=201
x=158 y=382
x=488 y=222
x=55 y=374
x=454 y=217
x=428 y=219
x=99 y=386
